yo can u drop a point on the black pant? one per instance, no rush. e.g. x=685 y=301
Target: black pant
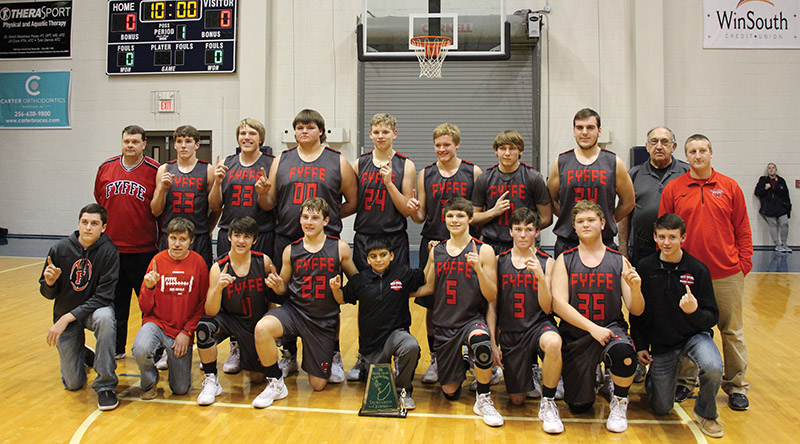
x=132 y=267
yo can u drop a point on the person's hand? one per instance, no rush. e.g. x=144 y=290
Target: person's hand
x=602 y=335
x=51 y=273
x=688 y=302
x=225 y=279
x=497 y=356
x=644 y=357
x=166 y=180
x=502 y=205
x=152 y=277
x=219 y=171
x=386 y=173
x=274 y=280
x=767 y=186
x=55 y=331
x=181 y=344
x=413 y=203
x=534 y=266
x=262 y=184
x=633 y=279
x=335 y=282
x=474 y=258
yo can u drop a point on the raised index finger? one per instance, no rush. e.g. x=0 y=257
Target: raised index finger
x=272 y=269
x=688 y=290
x=263 y=172
x=503 y=196
x=474 y=247
x=218 y=159
x=49 y=261
x=225 y=270
x=153 y=264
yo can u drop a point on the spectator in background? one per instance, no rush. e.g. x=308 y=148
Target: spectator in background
x=776 y=207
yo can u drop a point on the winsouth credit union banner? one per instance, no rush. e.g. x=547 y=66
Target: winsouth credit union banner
x=34 y=99
x=771 y=24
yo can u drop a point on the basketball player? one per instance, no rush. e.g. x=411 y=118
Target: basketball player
x=182 y=187
x=310 y=312
x=385 y=185
x=505 y=187
x=124 y=186
x=172 y=300
x=83 y=298
x=240 y=188
x=591 y=173
x=237 y=299
x=590 y=282
x=448 y=177
x=520 y=320
x=308 y=170
x=462 y=275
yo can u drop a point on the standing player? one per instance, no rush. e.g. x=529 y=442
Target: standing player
x=505 y=187
x=591 y=173
x=521 y=318
x=308 y=170
x=463 y=279
x=590 y=282
x=310 y=312
x=236 y=300
x=172 y=299
x=84 y=298
x=240 y=188
x=182 y=187
x=448 y=177
x=385 y=185
x=124 y=186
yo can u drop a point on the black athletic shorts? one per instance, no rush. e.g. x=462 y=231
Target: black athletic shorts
x=450 y=345
x=232 y=326
x=318 y=335
x=520 y=352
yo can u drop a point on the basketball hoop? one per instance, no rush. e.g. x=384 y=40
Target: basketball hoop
x=431 y=51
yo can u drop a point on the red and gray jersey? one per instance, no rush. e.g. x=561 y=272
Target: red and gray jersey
x=518 y=307
x=126 y=194
x=187 y=197
x=308 y=288
x=438 y=189
x=525 y=187
x=457 y=292
x=297 y=180
x=376 y=213
x=239 y=196
x=246 y=297
x=595 y=292
x=596 y=182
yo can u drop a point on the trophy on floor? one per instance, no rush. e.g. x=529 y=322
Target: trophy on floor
x=380 y=397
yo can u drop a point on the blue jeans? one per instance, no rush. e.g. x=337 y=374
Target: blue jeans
x=71 y=351
x=148 y=339
x=663 y=376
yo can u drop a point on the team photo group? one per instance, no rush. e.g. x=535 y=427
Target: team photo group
x=646 y=262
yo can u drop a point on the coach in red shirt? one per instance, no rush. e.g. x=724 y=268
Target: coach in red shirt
x=718 y=234
x=124 y=186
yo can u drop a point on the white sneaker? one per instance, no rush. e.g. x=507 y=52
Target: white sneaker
x=536 y=393
x=275 y=390
x=618 y=416
x=548 y=413
x=560 y=389
x=431 y=375
x=162 y=363
x=233 y=364
x=485 y=407
x=288 y=364
x=407 y=402
x=211 y=389
x=337 y=369
x=354 y=373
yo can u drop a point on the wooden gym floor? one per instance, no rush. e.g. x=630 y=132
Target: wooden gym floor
x=36 y=408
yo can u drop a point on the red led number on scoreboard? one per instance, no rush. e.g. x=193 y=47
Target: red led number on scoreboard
x=130 y=22
x=225 y=18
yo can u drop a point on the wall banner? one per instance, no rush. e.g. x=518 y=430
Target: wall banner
x=751 y=24
x=34 y=99
x=35 y=30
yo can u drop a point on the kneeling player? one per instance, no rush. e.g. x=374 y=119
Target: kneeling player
x=237 y=299
x=590 y=282
x=310 y=312
x=522 y=320
x=463 y=278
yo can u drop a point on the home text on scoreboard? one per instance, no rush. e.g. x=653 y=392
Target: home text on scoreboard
x=171 y=37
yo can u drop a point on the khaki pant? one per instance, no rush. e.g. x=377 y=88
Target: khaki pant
x=729 y=293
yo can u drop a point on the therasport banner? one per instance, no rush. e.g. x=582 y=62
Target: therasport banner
x=34 y=99
x=35 y=30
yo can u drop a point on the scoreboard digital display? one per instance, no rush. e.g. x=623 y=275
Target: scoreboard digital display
x=171 y=37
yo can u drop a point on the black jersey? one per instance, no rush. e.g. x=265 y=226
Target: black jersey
x=595 y=292
x=297 y=180
x=246 y=297
x=526 y=188
x=596 y=182
x=438 y=189
x=308 y=288
x=457 y=292
x=187 y=197
x=518 y=307
x=239 y=194
x=376 y=213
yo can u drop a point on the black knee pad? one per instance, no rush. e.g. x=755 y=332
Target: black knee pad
x=481 y=350
x=454 y=396
x=577 y=409
x=615 y=360
x=205 y=333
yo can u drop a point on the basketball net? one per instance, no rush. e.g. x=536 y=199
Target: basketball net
x=431 y=51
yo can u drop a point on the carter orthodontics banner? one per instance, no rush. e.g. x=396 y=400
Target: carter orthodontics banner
x=34 y=99
x=751 y=24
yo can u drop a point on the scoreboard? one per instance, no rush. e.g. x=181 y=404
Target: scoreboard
x=171 y=37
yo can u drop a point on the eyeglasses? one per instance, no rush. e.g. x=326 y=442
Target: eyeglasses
x=663 y=142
